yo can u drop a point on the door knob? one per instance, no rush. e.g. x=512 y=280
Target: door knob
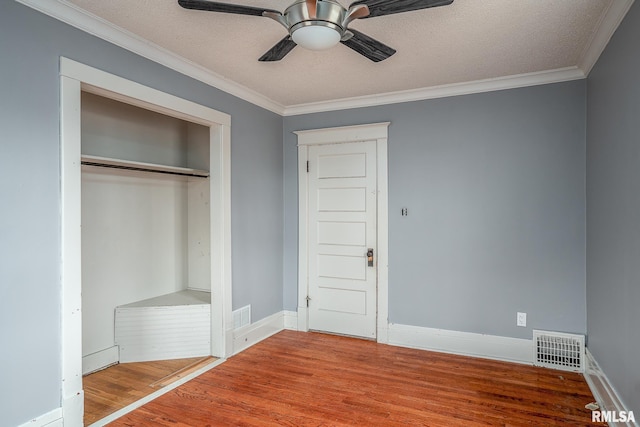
x=370 y=257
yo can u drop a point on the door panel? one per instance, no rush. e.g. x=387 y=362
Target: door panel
x=344 y=301
x=342 y=166
x=342 y=233
x=341 y=267
x=342 y=199
x=342 y=227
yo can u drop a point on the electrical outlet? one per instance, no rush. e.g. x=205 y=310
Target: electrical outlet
x=521 y=320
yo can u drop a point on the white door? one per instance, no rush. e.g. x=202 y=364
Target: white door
x=342 y=193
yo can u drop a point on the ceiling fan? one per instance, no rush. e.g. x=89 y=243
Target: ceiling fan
x=321 y=24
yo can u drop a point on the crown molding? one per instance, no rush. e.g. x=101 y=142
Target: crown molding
x=91 y=24
x=606 y=27
x=443 y=91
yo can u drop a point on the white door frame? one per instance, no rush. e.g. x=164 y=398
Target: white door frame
x=75 y=78
x=379 y=133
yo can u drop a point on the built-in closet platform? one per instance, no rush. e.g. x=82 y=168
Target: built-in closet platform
x=171 y=326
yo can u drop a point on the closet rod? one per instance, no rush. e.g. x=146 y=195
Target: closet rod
x=142 y=169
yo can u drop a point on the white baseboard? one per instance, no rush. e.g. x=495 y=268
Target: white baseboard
x=463 y=343
x=71 y=412
x=604 y=393
x=50 y=419
x=383 y=333
x=249 y=335
x=445 y=341
x=100 y=360
x=291 y=320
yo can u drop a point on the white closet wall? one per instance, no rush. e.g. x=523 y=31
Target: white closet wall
x=143 y=234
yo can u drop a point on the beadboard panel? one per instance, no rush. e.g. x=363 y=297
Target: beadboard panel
x=163 y=332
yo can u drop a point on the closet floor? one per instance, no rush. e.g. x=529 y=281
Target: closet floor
x=117 y=386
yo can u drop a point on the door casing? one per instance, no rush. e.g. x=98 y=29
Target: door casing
x=367 y=132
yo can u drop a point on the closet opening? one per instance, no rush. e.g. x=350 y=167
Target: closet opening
x=146 y=263
x=146 y=271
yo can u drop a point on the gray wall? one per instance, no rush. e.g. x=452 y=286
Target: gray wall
x=613 y=210
x=495 y=187
x=30 y=47
x=494 y=184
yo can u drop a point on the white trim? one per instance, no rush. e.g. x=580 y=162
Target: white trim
x=119 y=413
x=249 y=335
x=50 y=419
x=443 y=91
x=73 y=409
x=366 y=132
x=606 y=27
x=603 y=391
x=91 y=24
x=120 y=89
x=75 y=16
x=291 y=320
x=100 y=359
x=71 y=276
x=74 y=78
x=303 y=238
x=220 y=220
x=336 y=135
x=464 y=343
x=383 y=237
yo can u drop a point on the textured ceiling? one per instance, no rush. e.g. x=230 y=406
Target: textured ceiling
x=467 y=41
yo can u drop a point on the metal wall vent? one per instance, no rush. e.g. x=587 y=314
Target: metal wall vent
x=558 y=350
x=242 y=317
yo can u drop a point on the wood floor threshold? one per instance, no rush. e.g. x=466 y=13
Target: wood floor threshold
x=171 y=378
x=312 y=379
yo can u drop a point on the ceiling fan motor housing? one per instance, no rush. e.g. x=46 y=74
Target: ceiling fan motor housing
x=327 y=13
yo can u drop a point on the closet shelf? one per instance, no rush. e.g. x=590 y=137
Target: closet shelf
x=141 y=166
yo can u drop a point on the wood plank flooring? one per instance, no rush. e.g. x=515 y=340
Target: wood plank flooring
x=311 y=379
x=111 y=389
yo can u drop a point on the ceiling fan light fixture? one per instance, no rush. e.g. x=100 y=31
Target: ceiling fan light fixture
x=317 y=36
x=321 y=24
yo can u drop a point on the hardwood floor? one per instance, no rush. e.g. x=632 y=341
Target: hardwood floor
x=311 y=379
x=111 y=389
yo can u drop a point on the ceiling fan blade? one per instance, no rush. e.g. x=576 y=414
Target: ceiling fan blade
x=279 y=51
x=214 y=6
x=368 y=47
x=388 y=7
